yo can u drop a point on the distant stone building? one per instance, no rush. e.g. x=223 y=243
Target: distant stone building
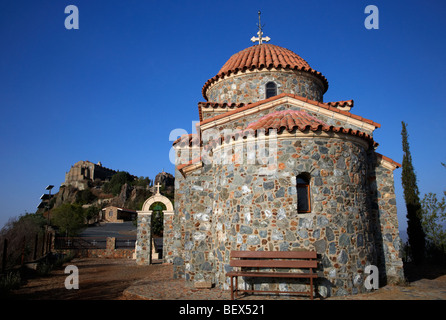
x=83 y=171
x=116 y=214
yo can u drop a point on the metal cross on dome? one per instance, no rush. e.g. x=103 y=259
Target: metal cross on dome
x=260 y=39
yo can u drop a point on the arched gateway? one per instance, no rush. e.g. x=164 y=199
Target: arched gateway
x=143 y=246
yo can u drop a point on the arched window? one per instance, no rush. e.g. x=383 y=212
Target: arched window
x=271 y=89
x=303 y=193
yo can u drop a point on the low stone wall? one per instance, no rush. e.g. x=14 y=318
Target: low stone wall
x=100 y=253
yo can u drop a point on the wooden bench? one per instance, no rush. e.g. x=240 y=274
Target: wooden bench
x=302 y=260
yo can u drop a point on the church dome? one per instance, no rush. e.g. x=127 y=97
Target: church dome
x=264 y=57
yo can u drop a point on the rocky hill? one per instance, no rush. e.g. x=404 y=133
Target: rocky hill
x=121 y=189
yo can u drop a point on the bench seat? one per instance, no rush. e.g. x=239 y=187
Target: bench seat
x=300 y=260
x=270 y=274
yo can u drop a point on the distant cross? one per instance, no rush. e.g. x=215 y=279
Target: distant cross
x=157 y=188
x=260 y=37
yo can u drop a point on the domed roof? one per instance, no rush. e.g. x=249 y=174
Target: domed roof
x=261 y=56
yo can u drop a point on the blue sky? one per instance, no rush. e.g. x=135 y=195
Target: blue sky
x=113 y=90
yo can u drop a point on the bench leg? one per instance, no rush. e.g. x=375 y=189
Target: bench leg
x=311 y=288
x=232 y=288
x=236 y=287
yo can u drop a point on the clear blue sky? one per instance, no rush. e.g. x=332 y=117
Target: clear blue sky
x=113 y=90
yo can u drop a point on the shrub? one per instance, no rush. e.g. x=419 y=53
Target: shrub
x=10 y=281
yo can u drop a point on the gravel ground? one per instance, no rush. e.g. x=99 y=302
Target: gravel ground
x=122 y=279
x=99 y=279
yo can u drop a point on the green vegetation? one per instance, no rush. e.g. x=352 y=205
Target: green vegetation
x=53 y=262
x=137 y=203
x=434 y=225
x=91 y=213
x=21 y=233
x=85 y=197
x=142 y=182
x=416 y=235
x=10 y=281
x=69 y=218
x=117 y=181
x=157 y=221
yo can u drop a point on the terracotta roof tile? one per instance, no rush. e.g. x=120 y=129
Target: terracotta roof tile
x=346 y=103
x=298 y=119
x=316 y=103
x=288 y=120
x=263 y=56
x=184 y=165
x=214 y=105
x=396 y=164
x=191 y=139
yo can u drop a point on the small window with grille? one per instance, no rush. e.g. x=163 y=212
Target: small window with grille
x=271 y=89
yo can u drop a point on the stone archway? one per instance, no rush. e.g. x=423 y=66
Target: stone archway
x=143 y=247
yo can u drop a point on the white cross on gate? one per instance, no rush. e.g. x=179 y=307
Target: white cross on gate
x=157 y=188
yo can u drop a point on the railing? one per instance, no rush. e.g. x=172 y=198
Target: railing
x=91 y=243
x=123 y=243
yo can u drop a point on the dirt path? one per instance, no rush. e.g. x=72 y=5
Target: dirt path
x=122 y=279
x=99 y=279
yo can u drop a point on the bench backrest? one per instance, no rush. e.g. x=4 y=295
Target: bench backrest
x=273 y=259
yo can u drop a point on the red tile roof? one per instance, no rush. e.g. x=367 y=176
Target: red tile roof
x=316 y=103
x=207 y=105
x=396 y=164
x=263 y=56
x=191 y=139
x=300 y=120
x=346 y=103
x=191 y=162
x=289 y=120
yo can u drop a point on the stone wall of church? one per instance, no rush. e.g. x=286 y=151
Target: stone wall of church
x=255 y=211
x=231 y=205
x=250 y=87
x=192 y=226
x=384 y=210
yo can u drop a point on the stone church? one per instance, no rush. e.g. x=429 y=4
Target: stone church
x=274 y=167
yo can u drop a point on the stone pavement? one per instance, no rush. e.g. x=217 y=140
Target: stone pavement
x=161 y=286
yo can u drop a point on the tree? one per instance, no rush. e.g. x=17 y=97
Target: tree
x=69 y=218
x=416 y=235
x=117 y=181
x=91 y=213
x=85 y=197
x=20 y=232
x=434 y=217
x=434 y=224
